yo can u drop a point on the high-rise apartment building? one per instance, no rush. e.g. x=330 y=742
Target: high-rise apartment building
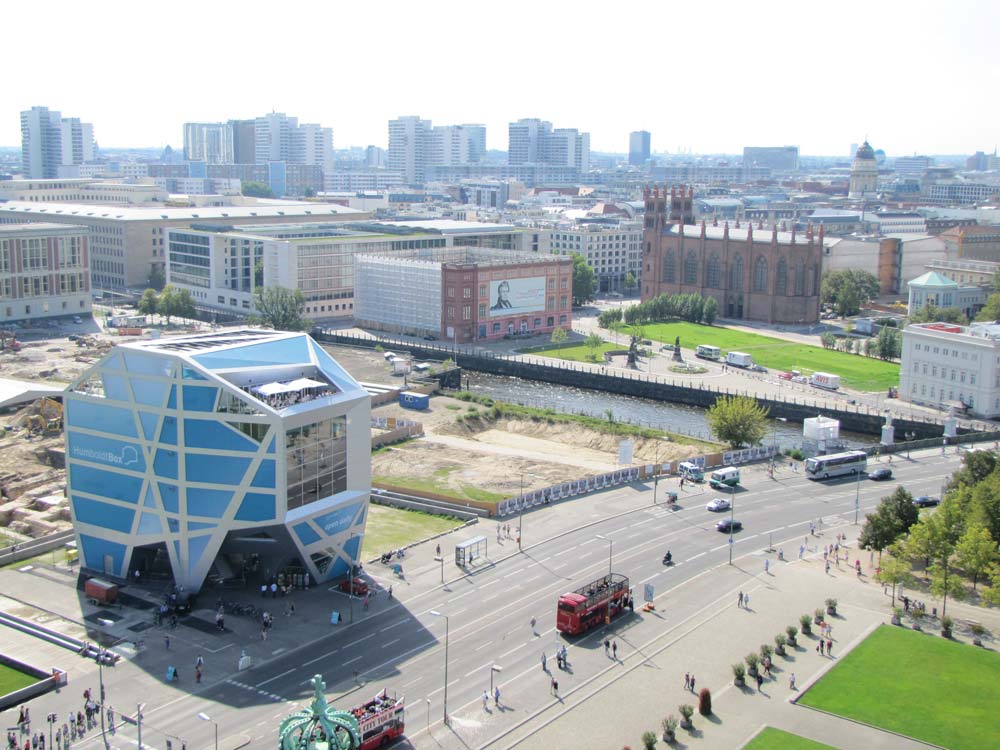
x=409 y=144
x=533 y=141
x=638 y=147
x=210 y=142
x=312 y=144
x=49 y=142
x=244 y=141
x=273 y=137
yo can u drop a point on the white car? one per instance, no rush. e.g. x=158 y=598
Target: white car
x=719 y=504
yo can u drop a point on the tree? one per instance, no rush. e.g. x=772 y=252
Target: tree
x=976 y=552
x=256 y=189
x=889 y=342
x=558 y=336
x=593 y=342
x=258 y=273
x=710 y=311
x=991 y=310
x=893 y=571
x=583 y=280
x=168 y=302
x=991 y=594
x=848 y=289
x=279 y=307
x=935 y=314
x=609 y=318
x=891 y=520
x=945 y=583
x=828 y=340
x=630 y=280
x=738 y=420
x=147 y=303
x=157 y=277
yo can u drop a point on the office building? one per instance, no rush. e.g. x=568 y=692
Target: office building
x=763 y=275
x=77 y=141
x=218 y=454
x=210 y=142
x=273 y=137
x=44 y=271
x=312 y=145
x=464 y=294
x=244 y=141
x=912 y=166
x=409 y=148
x=612 y=250
x=127 y=243
x=533 y=141
x=776 y=158
x=951 y=366
x=638 y=148
x=41 y=143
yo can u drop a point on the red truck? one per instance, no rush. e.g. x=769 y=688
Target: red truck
x=596 y=603
x=380 y=720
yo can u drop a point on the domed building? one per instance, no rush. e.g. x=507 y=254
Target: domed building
x=864 y=172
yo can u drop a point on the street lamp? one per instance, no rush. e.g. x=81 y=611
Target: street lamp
x=774 y=437
x=494 y=668
x=440 y=559
x=435 y=613
x=857 y=497
x=205 y=717
x=732 y=517
x=611 y=547
x=520 y=513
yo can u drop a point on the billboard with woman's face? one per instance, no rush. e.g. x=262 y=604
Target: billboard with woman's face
x=516 y=296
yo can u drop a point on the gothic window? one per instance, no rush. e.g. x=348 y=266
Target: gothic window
x=669 y=267
x=782 y=281
x=736 y=274
x=691 y=268
x=714 y=272
x=816 y=274
x=800 y=278
x=760 y=275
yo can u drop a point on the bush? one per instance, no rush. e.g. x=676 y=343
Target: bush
x=792 y=632
x=806 y=622
x=705 y=702
x=686 y=710
x=795 y=453
x=752 y=661
x=739 y=672
x=779 y=644
x=818 y=615
x=977 y=629
x=649 y=740
x=766 y=651
x=669 y=725
x=831 y=606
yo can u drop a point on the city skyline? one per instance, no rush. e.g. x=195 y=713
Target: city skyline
x=824 y=80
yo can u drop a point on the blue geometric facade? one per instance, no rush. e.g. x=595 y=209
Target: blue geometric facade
x=215 y=449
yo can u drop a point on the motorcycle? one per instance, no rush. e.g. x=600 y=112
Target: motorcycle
x=668 y=559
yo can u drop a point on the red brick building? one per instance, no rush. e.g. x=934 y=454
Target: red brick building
x=753 y=273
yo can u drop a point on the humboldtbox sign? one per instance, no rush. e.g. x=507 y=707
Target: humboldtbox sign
x=516 y=296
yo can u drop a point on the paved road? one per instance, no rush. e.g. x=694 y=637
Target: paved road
x=400 y=645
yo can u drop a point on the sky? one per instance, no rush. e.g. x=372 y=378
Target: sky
x=704 y=77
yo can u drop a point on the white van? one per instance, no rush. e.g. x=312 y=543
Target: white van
x=739 y=359
x=725 y=477
x=691 y=471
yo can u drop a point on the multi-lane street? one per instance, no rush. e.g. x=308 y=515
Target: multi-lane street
x=488 y=614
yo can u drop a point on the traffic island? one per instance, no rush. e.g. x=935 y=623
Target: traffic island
x=20 y=682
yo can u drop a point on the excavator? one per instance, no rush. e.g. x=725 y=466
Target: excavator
x=8 y=340
x=47 y=417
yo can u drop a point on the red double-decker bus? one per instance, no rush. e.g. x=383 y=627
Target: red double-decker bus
x=598 y=602
x=380 y=720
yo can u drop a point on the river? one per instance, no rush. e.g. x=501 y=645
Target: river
x=687 y=420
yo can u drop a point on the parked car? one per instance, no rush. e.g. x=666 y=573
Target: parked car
x=880 y=475
x=785 y=375
x=926 y=501
x=726 y=525
x=758 y=368
x=800 y=379
x=719 y=504
x=360 y=586
x=430 y=337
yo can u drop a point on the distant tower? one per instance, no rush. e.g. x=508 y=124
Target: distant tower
x=864 y=172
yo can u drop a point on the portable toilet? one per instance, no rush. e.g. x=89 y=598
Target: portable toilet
x=411 y=400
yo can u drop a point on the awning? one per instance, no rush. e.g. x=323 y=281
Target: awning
x=303 y=383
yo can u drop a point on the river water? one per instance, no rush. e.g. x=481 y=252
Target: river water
x=688 y=420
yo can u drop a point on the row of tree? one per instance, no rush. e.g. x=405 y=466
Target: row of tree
x=690 y=307
x=171 y=302
x=275 y=306
x=887 y=345
x=958 y=542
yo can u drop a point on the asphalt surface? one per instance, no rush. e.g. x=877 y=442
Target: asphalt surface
x=400 y=645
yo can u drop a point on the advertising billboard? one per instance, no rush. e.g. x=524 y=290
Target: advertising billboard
x=516 y=296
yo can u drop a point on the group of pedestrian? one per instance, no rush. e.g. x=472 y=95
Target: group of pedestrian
x=743 y=600
x=561 y=660
x=276 y=587
x=689 y=681
x=496 y=698
x=611 y=648
x=266 y=622
x=825 y=647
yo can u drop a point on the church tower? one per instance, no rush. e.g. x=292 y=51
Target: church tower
x=864 y=173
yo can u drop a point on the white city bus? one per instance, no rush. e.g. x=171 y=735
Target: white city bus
x=705 y=351
x=836 y=464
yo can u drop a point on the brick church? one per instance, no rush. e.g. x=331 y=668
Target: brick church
x=753 y=273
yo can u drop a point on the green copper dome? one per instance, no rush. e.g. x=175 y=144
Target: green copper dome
x=319 y=727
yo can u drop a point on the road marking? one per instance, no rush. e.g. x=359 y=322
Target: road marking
x=319 y=658
x=516 y=648
x=485 y=645
x=365 y=638
x=351 y=661
x=394 y=625
x=386 y=645
x=261 y=684
x=496 y=580
x=477 y=669
x=695 y=557
x=563 y=552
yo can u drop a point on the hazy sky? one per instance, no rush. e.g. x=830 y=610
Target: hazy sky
x=915 y=77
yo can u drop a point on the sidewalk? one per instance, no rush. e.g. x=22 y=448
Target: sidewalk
x=646 y=683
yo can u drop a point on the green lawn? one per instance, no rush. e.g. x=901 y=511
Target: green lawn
x=12 y=679
x=579 y=352
x=862 y=373
x=775 y=739
x=392 y=528
x=920 y=685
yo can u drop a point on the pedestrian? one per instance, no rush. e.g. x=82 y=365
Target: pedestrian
x=791 y=681
x=263 y=590
x=390 y=596
x=739 y=600
x=767 y=564
x=166 y=642
x=496 y=696
x=555 y=687
x=486 y=700
x=111 y=717
x=614 y=650
x=687 y=680
x=364 y=603
x=607 y=646
x=533 y=624
x=439 y=550
x=829 y=647
x=263 y=633
x=828 y=567
x=564 y=655
x=199 y=662
x=746 y=600
x=760 y=681
x=197 y=675
x=274 y=590
x=544 y=665
x=802 y=550
x=692 y=682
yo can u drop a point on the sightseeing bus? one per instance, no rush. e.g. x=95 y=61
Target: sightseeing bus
x=704 y=351
x=836 y=464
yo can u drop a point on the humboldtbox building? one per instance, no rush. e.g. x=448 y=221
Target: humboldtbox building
x=464 y=294
x=204 y=453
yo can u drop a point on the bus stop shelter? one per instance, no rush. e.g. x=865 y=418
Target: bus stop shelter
x=469 y=550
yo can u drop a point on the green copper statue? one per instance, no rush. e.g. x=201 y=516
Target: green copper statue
x=319 y=727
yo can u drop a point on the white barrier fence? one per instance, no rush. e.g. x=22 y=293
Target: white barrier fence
x=731 y=458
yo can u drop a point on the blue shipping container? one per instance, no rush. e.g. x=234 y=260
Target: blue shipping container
x=410 y=400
